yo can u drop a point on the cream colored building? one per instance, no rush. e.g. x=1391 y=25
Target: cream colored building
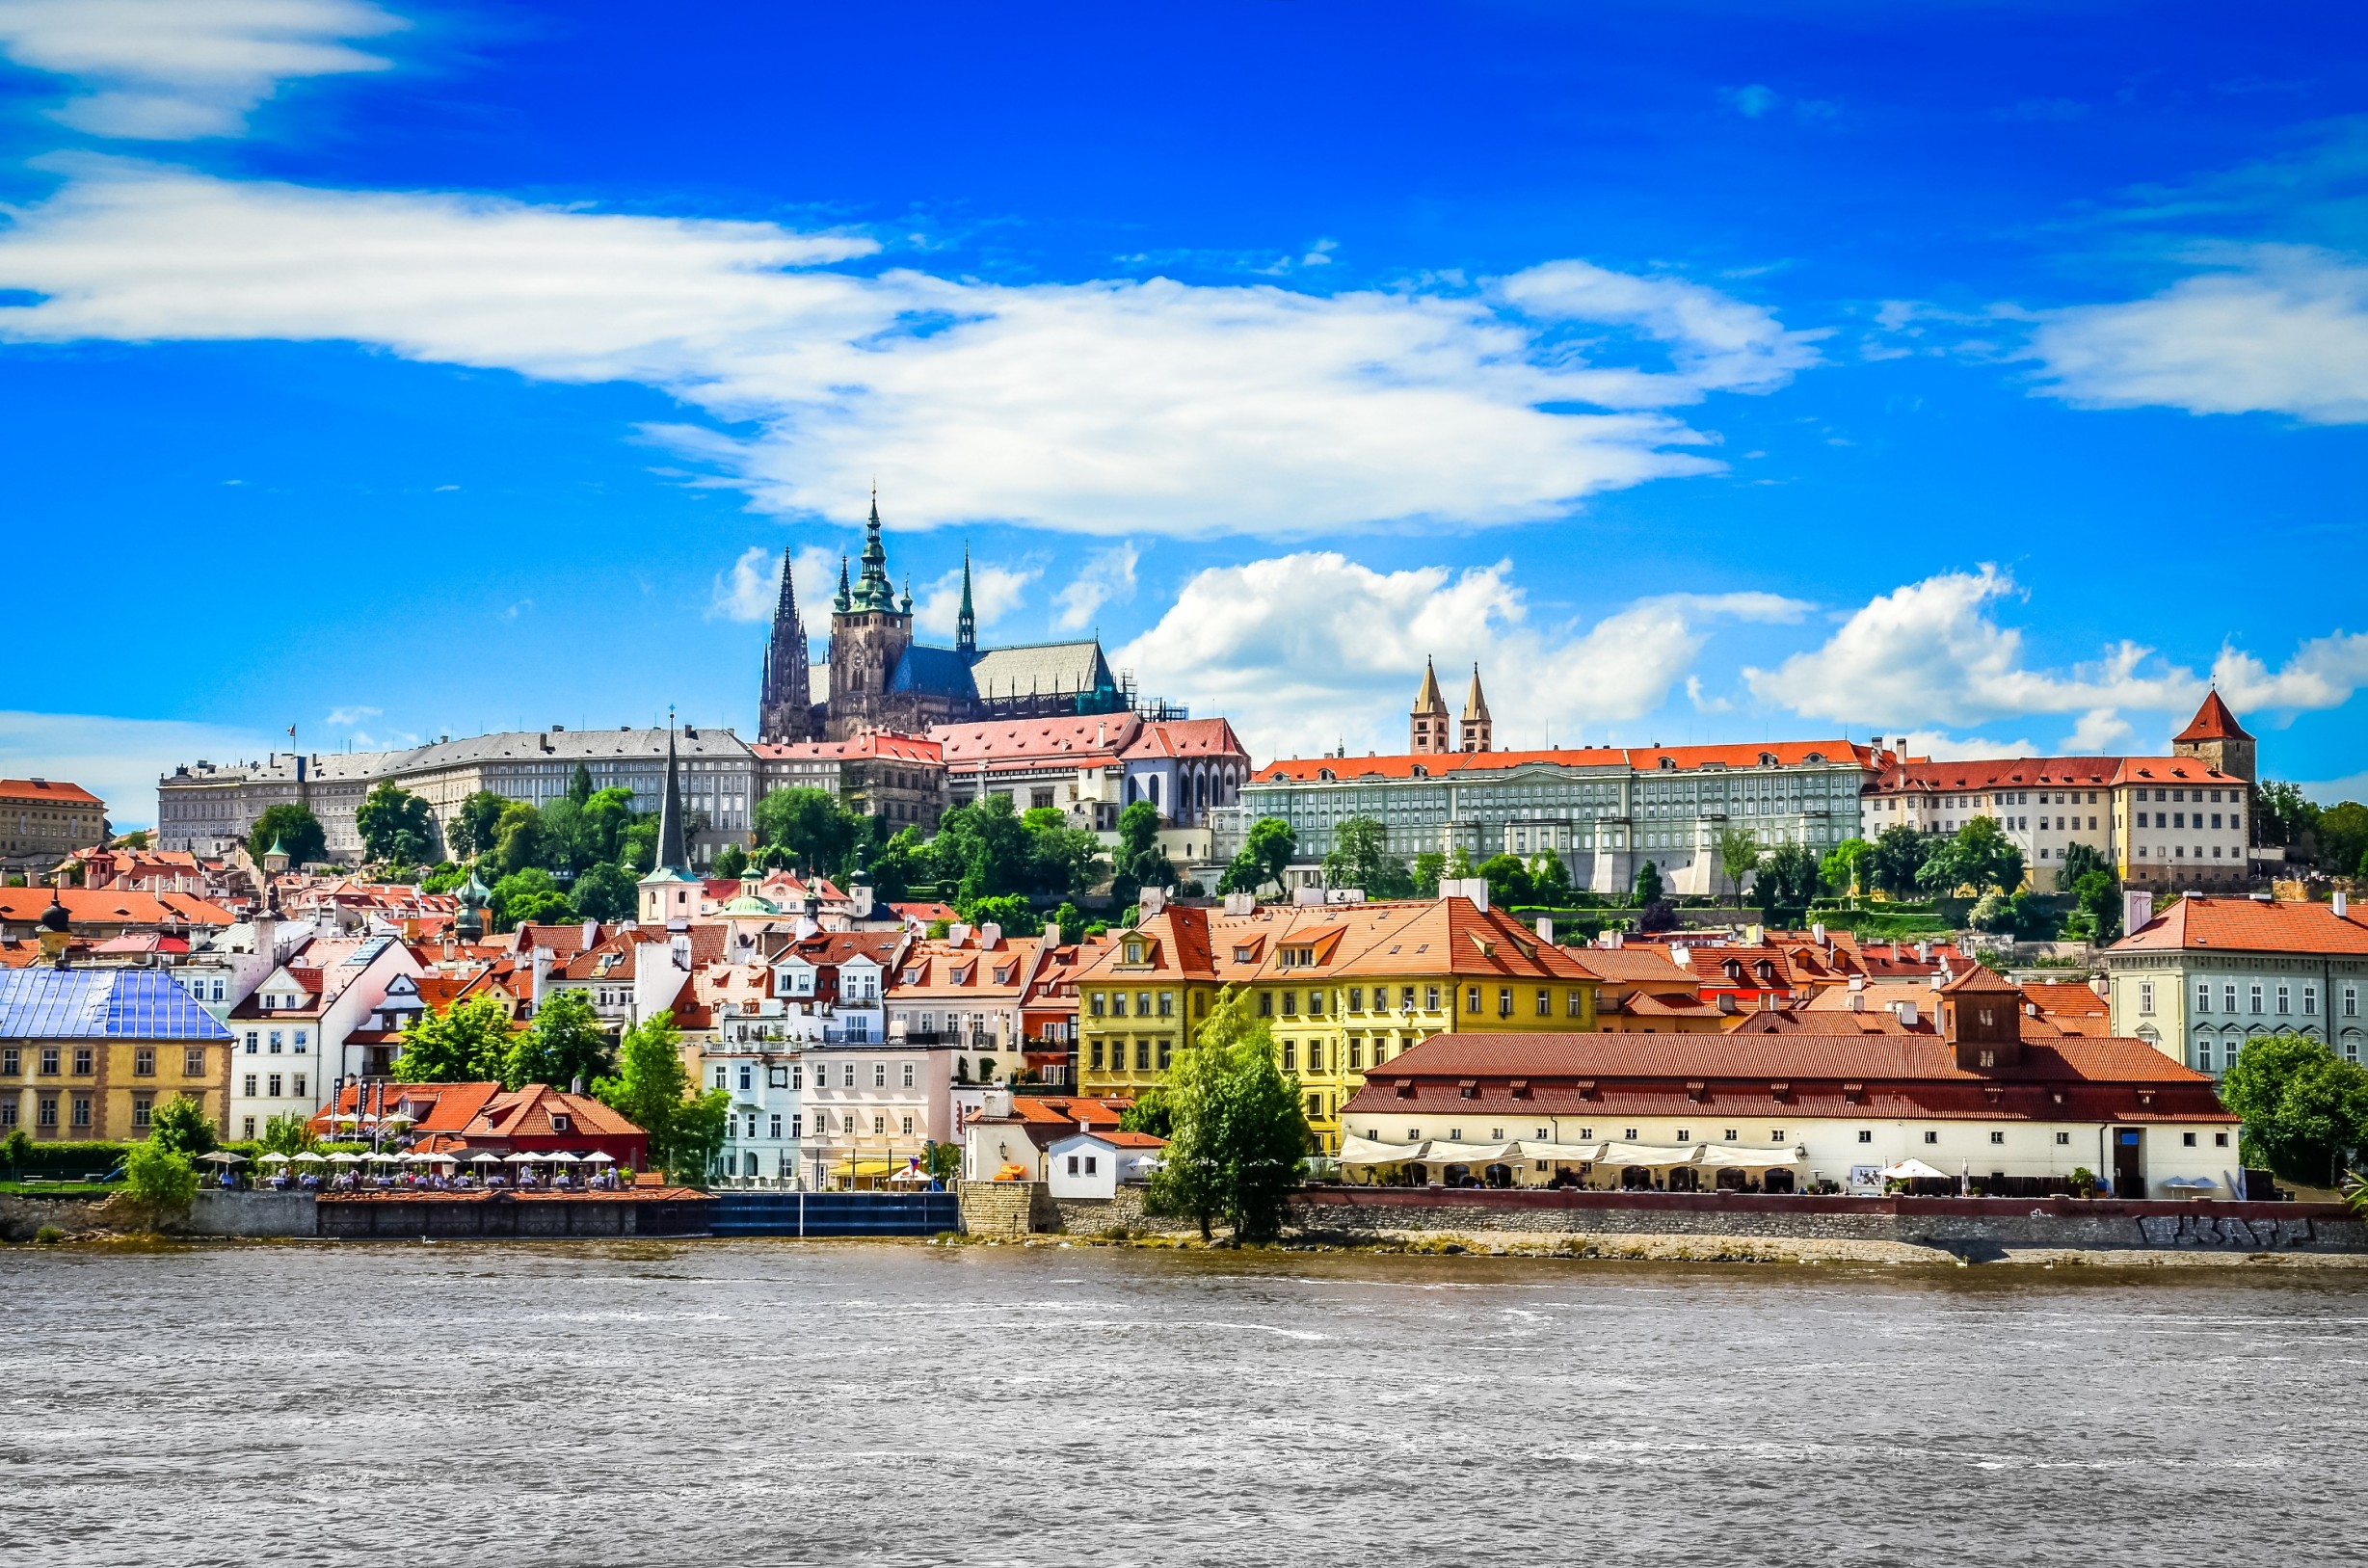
x=2208 y=974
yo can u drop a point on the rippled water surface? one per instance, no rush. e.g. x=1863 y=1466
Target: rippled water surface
x=780 y=1402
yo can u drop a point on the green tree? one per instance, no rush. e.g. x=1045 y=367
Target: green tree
x=1508 y=881
x=637 y=849
x=467 y=1043
x=981 y=850
x=606 y=817
x=2282 y=814
x=2080 y=859
x=898 y=865
x=2343 y=838
x=811 y=825
x=1647 y=889
x=1429 y=867
x=563 y=1043
x=291 y=827
x=180 y=1124
x=579 y=784
x=1846 y=867
x=1015 y=915
x=1738 y=857
x=1150 y=1113
x=565 y=837
x=1898 y=859
x=1067 y=924
x=603 y=893
x=474 y=824
x=1139 y=863
x=287 y=1133
x=1266 y=852
x=1979 y=856
x=1062 y=860
x=395 y=825
x=519 y=843
x=1360 y=857
x=446 y=877
x=2304 y=1108
x=162 y=1181
x=654 y=1091
x=1239 y=1131
x=730 y=861
x=1788 y=882
x=14 y=1148
x=529 y=898
x=1549 y=881
x=2099 y=897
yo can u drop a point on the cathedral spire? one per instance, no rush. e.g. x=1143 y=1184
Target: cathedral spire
x=784 y=711
x=671 y=855
x=965 y=623
x=1479 y=731
x=1428 y=728
x=841 y=603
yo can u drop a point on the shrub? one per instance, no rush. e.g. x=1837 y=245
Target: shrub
x=160 y=1179
x=49 y=1235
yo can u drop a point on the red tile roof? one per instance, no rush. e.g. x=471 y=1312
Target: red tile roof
x=1926 y=777
x=46 y=792
x=1078 y=741
x=1187 y=737
x=890 y=748
x=2248 y=925
x=115 y=906
x=2213 y=722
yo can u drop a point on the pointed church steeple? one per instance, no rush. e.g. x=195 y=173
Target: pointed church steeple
x=841 y=604
x=966 y=622
x=672 y=855
x=1428 y=733
x=1480 y=731
x=784 y=711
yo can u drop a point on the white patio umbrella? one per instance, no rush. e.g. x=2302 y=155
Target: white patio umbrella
x=482 y=1157
x=1912 y=1170
x=342 y=1157
x=599 y=1156
x=278 y=1159
x=308 y=1157
x=384 y=1158
x=223 y=1157
x=523 y=1159
x=435 y=1159
x=345 y=1116
x=561 y=1159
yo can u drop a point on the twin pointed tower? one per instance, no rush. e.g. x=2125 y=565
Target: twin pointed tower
x=1430 y=733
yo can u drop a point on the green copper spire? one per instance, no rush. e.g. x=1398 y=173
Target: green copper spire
x=965 y=623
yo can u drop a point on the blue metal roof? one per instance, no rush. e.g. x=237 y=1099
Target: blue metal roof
x=937 y=671
x=87 y=1004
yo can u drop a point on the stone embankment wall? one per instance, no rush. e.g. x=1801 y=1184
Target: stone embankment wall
x=2091 y=1225
x=359 y=1218
x=250 y=1214
x=22 y=1218
x=1096 y=1216
x=996 y=1209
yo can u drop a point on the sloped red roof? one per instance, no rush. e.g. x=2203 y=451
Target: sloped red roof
x=46 y=792
x=2213 y=722
x=2251 y=926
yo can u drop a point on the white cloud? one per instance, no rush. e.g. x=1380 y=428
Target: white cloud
x=117 y=759
x=1752 y=100
x=996 y=591
x=2285 y=332
x=1933 y=652
x=343 y=717
x=179 y=70
x=1942 y=747
x=751 y=588
x=1110 y=407
x=1108 y=576
x=1301 y=651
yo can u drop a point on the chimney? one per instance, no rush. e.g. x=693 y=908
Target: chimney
x=2137 y=909
x=1545 y=928
x=989 y=934
x=542 y=974
x=1859 y=998
x=1908 y=1015
x=682 y=949
x=1150 y=900
x=2343 y=905
x=592 y=933
x=958 y=933
x=1241 y=903
x=1924 y=952
x=1816 y=933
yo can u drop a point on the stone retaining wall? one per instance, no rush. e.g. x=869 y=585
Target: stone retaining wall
x=1006 y=1208
x=250 y=1214
x=513 y=1215
x=1092 y=1216
x=22 y=1217
x=2090 y=1224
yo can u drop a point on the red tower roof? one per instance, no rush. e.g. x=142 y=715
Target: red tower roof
x=2213 y=722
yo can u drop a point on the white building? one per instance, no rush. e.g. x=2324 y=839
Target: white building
x=289 y=1035
x=1095 y=1164
x=2208 y=974
x=872 y=1107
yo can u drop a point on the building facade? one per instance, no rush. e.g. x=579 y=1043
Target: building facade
x=91 y=1053
x=900 y=779
x=44 y=821
x=2208 y=974
x=1604 y=810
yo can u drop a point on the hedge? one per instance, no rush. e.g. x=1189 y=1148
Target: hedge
x=74 y=1160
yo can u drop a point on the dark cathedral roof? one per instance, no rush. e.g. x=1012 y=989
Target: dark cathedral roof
x=933 y=672
x=1042 y=669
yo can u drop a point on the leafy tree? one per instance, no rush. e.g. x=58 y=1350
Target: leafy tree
x=1647 y=889
x=564 y=1043
x=2282 y=814
x=180 y=1124
x=287 y=1133
x=2099 y=897
x=1150 y=1113
x=519 y=841
x=1429 y=867
x=1738 y=857
x=1898 y=857
x=1788 y=881
x=161 y=1179
x=1360 y=857
x=1990 y=913
x=529 y=896
x=579 y=786
x=1979 y=856
x=730 y=861
x=1017 y=917
x=1140 y=863
x=2304 y=1108
x=1508 y=881
x=981 y=849
x=293 y=829
x=14 y=1147
x=1459 y=866
x=1660 y=914
x=467 y=1043
x=603 y=893
x=1062 y=860
x=637 y=846
x=565 y=838
x=1549 y=881
x=2343 y=838
x=898 y=863
x=395 y=825
x=474 y=824
x=1266 y=852
x=1238 y=1133
x=1847 y=866
x=1067 y=924
x=652 y=1090
x=816 y=831
x=446 y=877
x=942 y=1160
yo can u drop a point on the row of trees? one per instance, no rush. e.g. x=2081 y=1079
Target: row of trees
x=2334 y=838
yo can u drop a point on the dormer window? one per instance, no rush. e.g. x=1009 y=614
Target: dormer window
x=563 y=1123
x=1134 y=952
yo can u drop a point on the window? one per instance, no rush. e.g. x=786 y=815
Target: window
x=271 y=1086
x=49 y=1061
x=846 y=1077
x=247 y=1085
x=2186 y=1141
x=2254 y=994
x=1094 y=1004
x=720 y=1072
x=45 y=1114
x=1096 y=1054
x=2145 y=995
x=2351 y=1008
x=1142 y=1004
x=1290 y=1056
x=2310 y=1001
x=1166 y=1052
x=2285 y=999
x=82 y=1110
x=1775 y=1134
x=1932 y=1137
x=2204 y=995
x=748 y=1077
x=246 y=1124
x=1072 y=1164
x=81 y=1061
x=2203 y=1056
x=1685 y=1135
x=1291 y=1004
x=908 y=1127
x=1142 y=1055
x=11 y=1062
x=1545 y=1004
x=1576 y=1005
x=276 y=1043
x=1866 y=1134
x=1430 y=999
x=797 y=1125
x=772 y=1125
x=1998 y=1137
x=144 y=1062
x=2227 y=997
x=879 y=1127
x=1356 y=998
x=879 y=1074
x=1504 y=1001
x=2220 y=1140
x=2064 y=1137
x=300 y=1042
x=1265 y=1004
x=1472 y=1001
x=1167 y=1004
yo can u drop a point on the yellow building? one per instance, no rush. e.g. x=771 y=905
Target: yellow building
x=1342 y=988
x=91 y=1053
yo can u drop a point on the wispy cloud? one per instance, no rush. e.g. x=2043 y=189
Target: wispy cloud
x=115 y=759
x=1107 y=577
x=342 y=717
x=996 y=592
x=179 y=69
x=1113 y=407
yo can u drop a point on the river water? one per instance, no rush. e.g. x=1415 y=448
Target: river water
x=783 y=1403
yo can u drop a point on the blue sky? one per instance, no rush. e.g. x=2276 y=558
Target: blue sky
x=1996 y=375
